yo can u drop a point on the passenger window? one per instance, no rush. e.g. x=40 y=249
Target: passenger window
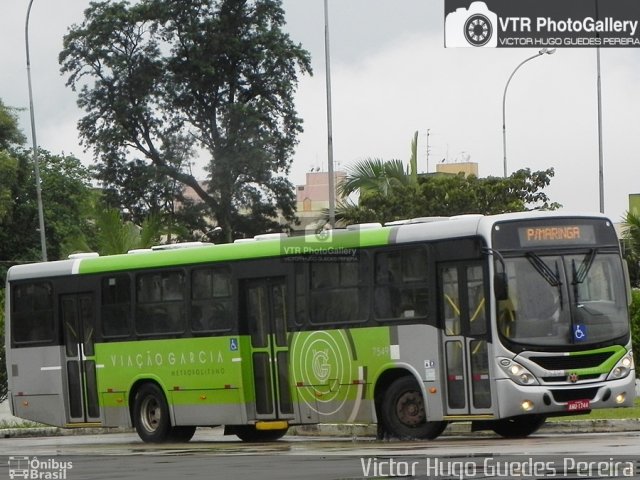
x=160 y=303
x=401 y=290
x=211 y=300
x=338 y=292
x=32 y=313
x=116 y=306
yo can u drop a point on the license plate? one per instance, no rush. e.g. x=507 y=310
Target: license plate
x=578 y=405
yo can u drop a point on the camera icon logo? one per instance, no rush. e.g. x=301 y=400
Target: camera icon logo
x=472 y=27
x=313 y=235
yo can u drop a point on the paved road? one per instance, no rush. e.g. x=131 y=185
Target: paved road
x=211 y=455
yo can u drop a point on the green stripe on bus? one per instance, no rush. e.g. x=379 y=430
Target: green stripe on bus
x=242 y=251
x=617 y=352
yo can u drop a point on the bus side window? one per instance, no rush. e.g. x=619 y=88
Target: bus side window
x=116 y=306
x=401 y=289
x=211 y=300
x=338 y=293
x=160 y=302
x=32 y=313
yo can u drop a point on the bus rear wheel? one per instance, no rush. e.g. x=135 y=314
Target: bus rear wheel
x=404 y=414
x=151 y=414
x=518 y=427
x=249 y=433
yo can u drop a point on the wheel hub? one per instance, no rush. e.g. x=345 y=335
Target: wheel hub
x=410 y=409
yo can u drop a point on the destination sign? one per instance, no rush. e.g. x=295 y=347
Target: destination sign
x=556 y=235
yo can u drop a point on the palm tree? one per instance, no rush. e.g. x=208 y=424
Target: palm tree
x=377 y=176
x=114 y=235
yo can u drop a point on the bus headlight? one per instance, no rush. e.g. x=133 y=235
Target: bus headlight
x=517 y=372
x=622 y=368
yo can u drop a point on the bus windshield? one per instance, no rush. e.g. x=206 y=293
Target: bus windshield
x=559 y=300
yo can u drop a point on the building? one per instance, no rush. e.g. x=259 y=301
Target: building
x=312 y=198
x=467 y=168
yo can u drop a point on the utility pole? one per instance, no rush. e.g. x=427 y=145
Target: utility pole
x=428 y=130
x=36 y=166
x=332 y=187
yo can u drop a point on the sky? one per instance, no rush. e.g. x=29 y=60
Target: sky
x=392 y=76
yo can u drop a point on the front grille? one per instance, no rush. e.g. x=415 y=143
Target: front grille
x=572 y=362
x=566 y=395
x=563 y=378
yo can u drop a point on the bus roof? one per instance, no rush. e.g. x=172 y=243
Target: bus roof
x=335 y=242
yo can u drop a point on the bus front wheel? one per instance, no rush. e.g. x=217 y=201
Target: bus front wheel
x=518 y=427
x=151 y=414
x=404 y=414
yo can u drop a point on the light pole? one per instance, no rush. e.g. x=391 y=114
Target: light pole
x=504 y=102
x=332 y=187
x=43 y=242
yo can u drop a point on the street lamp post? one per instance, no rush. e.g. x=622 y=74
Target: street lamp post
x=332 y=187
x=43 y=242
x=504 y=102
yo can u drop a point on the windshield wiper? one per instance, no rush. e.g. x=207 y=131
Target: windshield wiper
x=551 y=277
x=580 y=274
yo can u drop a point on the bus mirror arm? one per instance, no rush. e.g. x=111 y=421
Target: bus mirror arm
x=500 y=279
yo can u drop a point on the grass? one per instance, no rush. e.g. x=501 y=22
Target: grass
x=606 y=414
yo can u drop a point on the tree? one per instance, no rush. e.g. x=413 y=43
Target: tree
x=66 y=196
x=631 y=239
x=447 y=195
x=160 y=78
x=10 y=133
x=112 y=234
x=375 y=175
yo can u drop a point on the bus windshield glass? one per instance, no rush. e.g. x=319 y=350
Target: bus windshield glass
x=559 y=300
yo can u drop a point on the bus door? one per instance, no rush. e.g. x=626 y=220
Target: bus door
x=465 y=330
x=265 y=315
x=78 y=327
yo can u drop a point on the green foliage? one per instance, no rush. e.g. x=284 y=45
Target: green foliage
x=66 y=196
x=635 y=326
x=10 y=133
x=160 y=79
x=385 y=195
x=374 y=176
x=112 y=234
x=631 y=244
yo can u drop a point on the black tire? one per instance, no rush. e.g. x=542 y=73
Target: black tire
x=518 y=427
x=151 y=414
x=403 y=412
x=249 y=433
x=182 y=433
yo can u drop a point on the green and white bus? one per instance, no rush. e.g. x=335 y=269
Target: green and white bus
x=498 y=320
